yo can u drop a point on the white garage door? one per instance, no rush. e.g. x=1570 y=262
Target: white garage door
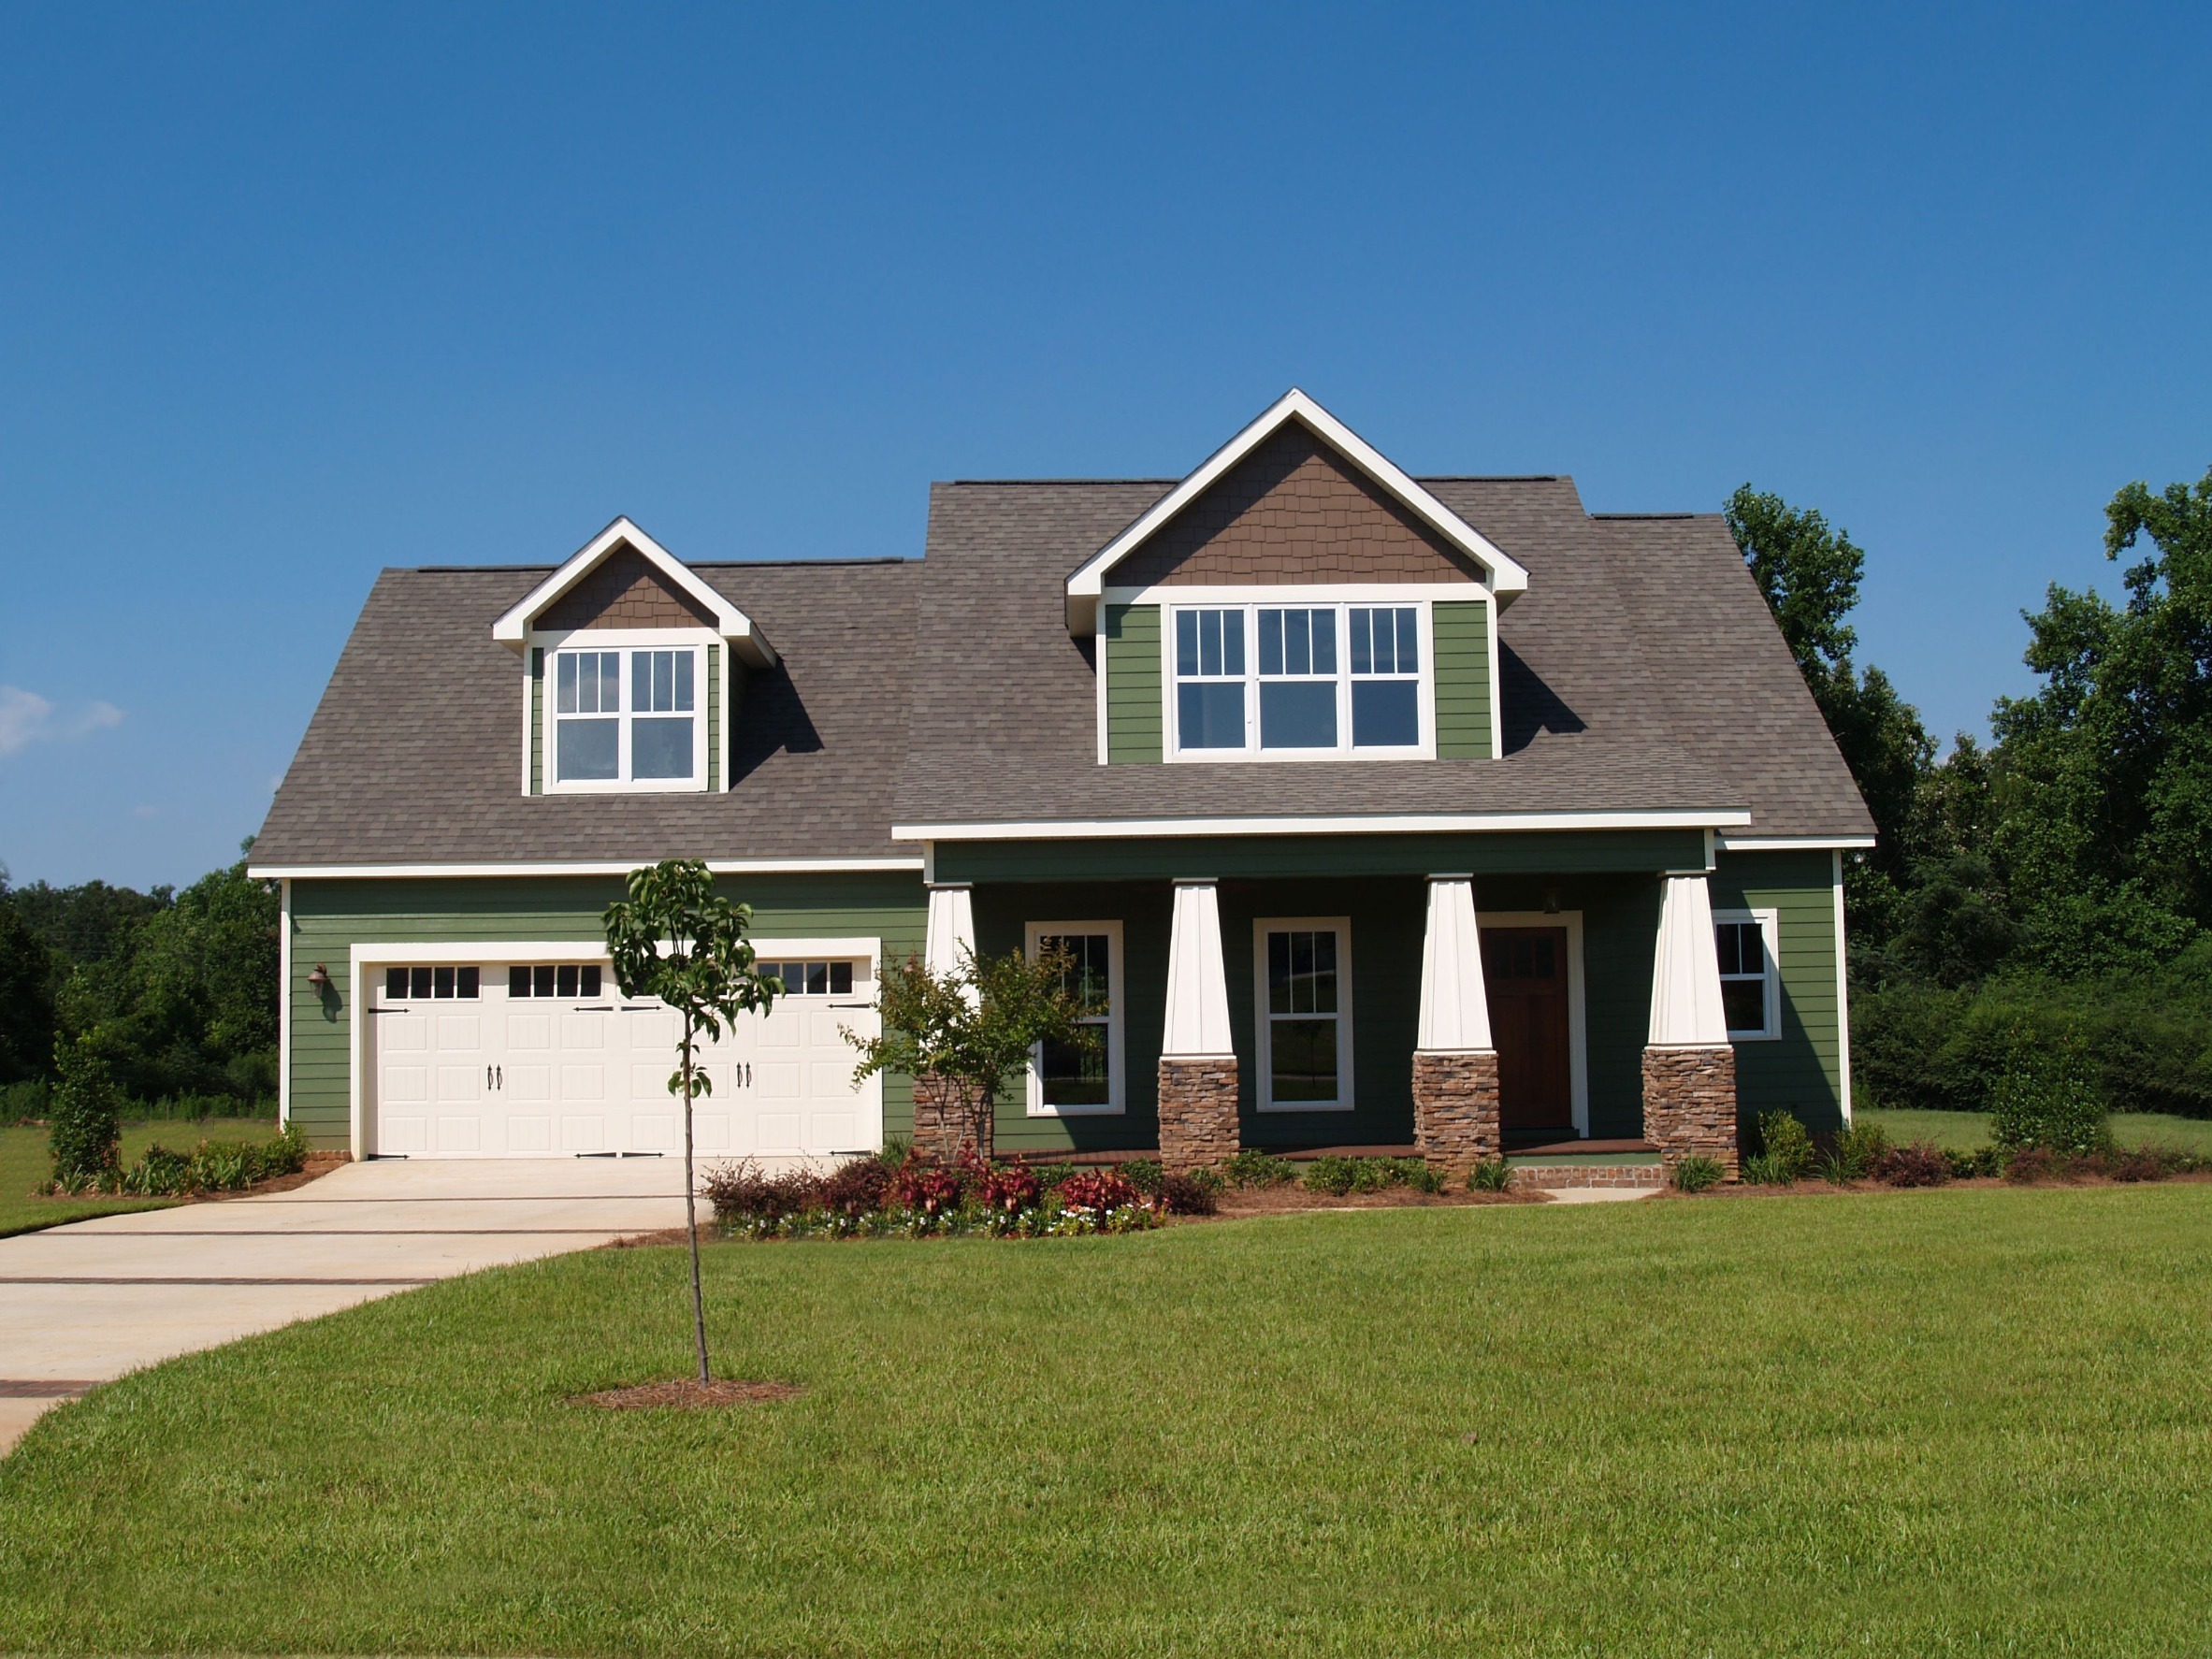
x=546 y=1058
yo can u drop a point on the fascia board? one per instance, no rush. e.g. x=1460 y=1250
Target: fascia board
x=745 y=641
x=1508 y=580
x=577 y=867
x=1791 y=843
x=1408 y=824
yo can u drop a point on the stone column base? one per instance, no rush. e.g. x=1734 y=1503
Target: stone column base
x=1197 y=1110
x=1689 y=1105
x=946 y=1118
x=1455 y=1121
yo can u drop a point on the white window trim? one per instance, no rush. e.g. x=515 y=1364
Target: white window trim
x=1250 y=602
x=625 y=640
x=1263 y=1022
x=1578 y=1045
x=1770 y=922
x=1117 y=1101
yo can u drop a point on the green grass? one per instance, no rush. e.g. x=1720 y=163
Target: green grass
x=1971 y=1420
x=1968 y=1129
x=24 y=1166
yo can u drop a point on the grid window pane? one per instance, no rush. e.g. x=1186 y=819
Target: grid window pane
x=1302 y=1056
x=1746 y=1000
x=660 y=749
x=441 y=982
x=1385 y=714
x=564 y=979
x=818 y=980
x=1297 y=714
x=587 y=750
x=840 y=979
x=685 y=660
x=590 y=987
x=541 y=980
x=395 y=983
x=518 y=980
x=1211 y=716
x=418 y=982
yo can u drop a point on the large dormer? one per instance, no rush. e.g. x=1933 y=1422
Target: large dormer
x=632 y=667
x=1298 y=597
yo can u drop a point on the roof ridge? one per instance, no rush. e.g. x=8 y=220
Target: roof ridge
x=1684 y=514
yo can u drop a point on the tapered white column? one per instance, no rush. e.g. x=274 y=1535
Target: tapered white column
x=951 y=939
x=1687 y=1011
x=1454 y=1003
x=1198 y=984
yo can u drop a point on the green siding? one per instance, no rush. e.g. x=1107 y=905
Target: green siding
x=1133 y=683
x=330 y=918
x=1464 y=704
x=1801 y=1070
x=1167 y=857
x=714 y=717
x=536 y=720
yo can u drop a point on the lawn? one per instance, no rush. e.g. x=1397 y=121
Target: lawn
x=1968 y=1129
x=25 y=1165
x=1971 y=1420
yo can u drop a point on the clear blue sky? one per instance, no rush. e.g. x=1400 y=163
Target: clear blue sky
x=290 y=293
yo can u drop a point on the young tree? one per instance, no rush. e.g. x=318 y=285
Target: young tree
x=675 y=938
x=87 y=1129
x=970 y=1029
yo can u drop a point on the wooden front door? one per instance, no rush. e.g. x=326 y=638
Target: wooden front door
x=1525 y=972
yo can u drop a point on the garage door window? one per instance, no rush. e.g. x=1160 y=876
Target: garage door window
x=553 y=979
x=811 y=979
x=422 y=985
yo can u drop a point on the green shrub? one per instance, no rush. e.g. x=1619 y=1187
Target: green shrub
x=1763 y=1169
x=1144 y=1174
x=1786 y=1145
x=24 y=1102
x=1856 y=1154
x=1492 y=1175
x=1965 y=1165
x=1258 y=1169
x=1416 y=1174
x=1694 y=1173
x=86 y=1116
x=2046 y=1097
x=1331 y=1175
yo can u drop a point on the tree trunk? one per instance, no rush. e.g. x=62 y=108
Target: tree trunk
x=691 y=1213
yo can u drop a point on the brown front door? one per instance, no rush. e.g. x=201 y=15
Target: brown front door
x=1525 y=970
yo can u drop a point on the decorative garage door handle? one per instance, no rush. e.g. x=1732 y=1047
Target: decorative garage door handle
x=494 y=1077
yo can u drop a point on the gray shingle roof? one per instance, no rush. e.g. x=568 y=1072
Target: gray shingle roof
x=1640 y=671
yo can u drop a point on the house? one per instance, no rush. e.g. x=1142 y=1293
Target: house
x=1376 y=811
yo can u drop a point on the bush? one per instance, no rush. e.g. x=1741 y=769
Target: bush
x=924 y=1185
x=2047 y=1098
x=24 y=1102
x=1416 y=1174
x=1965 y=1165
x=1258 y=1169
x=1763 y=1169
x=1098 y=1192
x=215 y=1166
x=1145 y=1174
x=1009 y=1188
x=1786 y=1146
x=1694 y=1173
x=1920 y=1163
x=86 y=1115
x=1192 y=1194
x=1491 y=1175
x=855 y=1187
x=2142 y=1164
x=744 y=1192
x=2032 y=1163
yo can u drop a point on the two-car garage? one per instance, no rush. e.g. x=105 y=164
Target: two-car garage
x=531 y=1051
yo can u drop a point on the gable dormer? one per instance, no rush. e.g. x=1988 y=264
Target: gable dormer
x=633 y=665
x=1297 y=597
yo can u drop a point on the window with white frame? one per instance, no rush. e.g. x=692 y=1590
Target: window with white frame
x=1066 y=1079
x=1318 y=681
x=1302 y=991
x=1750 y=985
x=627 y=718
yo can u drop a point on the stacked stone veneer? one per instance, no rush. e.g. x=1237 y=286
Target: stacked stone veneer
x=1552 y=1176
x=1689 y=1105
x=1455 y=1122
x=1197 y=1110
x=945 y=1116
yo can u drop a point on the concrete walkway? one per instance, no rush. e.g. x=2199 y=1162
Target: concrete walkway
x=86 y=1303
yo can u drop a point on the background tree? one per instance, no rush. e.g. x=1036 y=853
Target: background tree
x=972 y=1029
x=86 y=1133
x=26 y=998
x=675 y=938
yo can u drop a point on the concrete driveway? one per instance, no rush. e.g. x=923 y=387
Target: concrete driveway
x=83 y=1303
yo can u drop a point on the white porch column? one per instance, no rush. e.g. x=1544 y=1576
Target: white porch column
x=944 y=1116
x=1455 y=1005
x=1198 y=984
x=951 y=937
x=1686 y=1010
x=1199 y=1079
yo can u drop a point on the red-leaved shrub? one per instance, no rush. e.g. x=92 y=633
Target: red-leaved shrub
x=1187 y=1195
x=2142 y=1164
x=2031 y=1164
x=1099 y=1189
x=856 y=1188
x=1921 y=1163
x=1010 y=1187
x=924 y=1184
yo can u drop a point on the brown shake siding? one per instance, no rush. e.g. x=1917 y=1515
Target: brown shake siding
x=624 y=590
x=1294 y=511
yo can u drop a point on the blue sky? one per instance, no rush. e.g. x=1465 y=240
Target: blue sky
x=290 y=293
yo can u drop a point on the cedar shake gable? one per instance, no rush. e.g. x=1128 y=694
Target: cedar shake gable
x=624 y=590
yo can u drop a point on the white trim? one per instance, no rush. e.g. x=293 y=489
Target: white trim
x=1353 y=824
x=1298 y=593
x=1497 y=698
x=513 y=627
x=1791 y=843
x=1843 y=993
x=1116 y=1024
x=284 y=1003
x=528 y=726
x=1264 y=1018
x=1086 y=586
x=1578 y=1037
x=1249 y=602
x=718 y=759
x=575 y=867
x=1770 y=922
x=1098 y=686
x=624 y=642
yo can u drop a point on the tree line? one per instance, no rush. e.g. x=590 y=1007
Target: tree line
x=2054 y=885
x=175 y=991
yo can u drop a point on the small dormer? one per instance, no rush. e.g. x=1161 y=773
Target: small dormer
x=633 y=667
x=1297 y=597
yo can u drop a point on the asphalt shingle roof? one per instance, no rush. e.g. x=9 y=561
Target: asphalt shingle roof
x=1640 y=672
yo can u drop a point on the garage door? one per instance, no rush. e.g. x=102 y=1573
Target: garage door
x=544 y=1059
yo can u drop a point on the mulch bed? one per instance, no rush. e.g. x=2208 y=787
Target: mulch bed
x=318 y=1164
x=686 y=1393
x=1287 y=1200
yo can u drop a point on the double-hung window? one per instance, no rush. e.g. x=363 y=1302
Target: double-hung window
x=1316 y=682
x=1304 y=992
x=1068 y=1078
x=627 y=718
x=1750 y=988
